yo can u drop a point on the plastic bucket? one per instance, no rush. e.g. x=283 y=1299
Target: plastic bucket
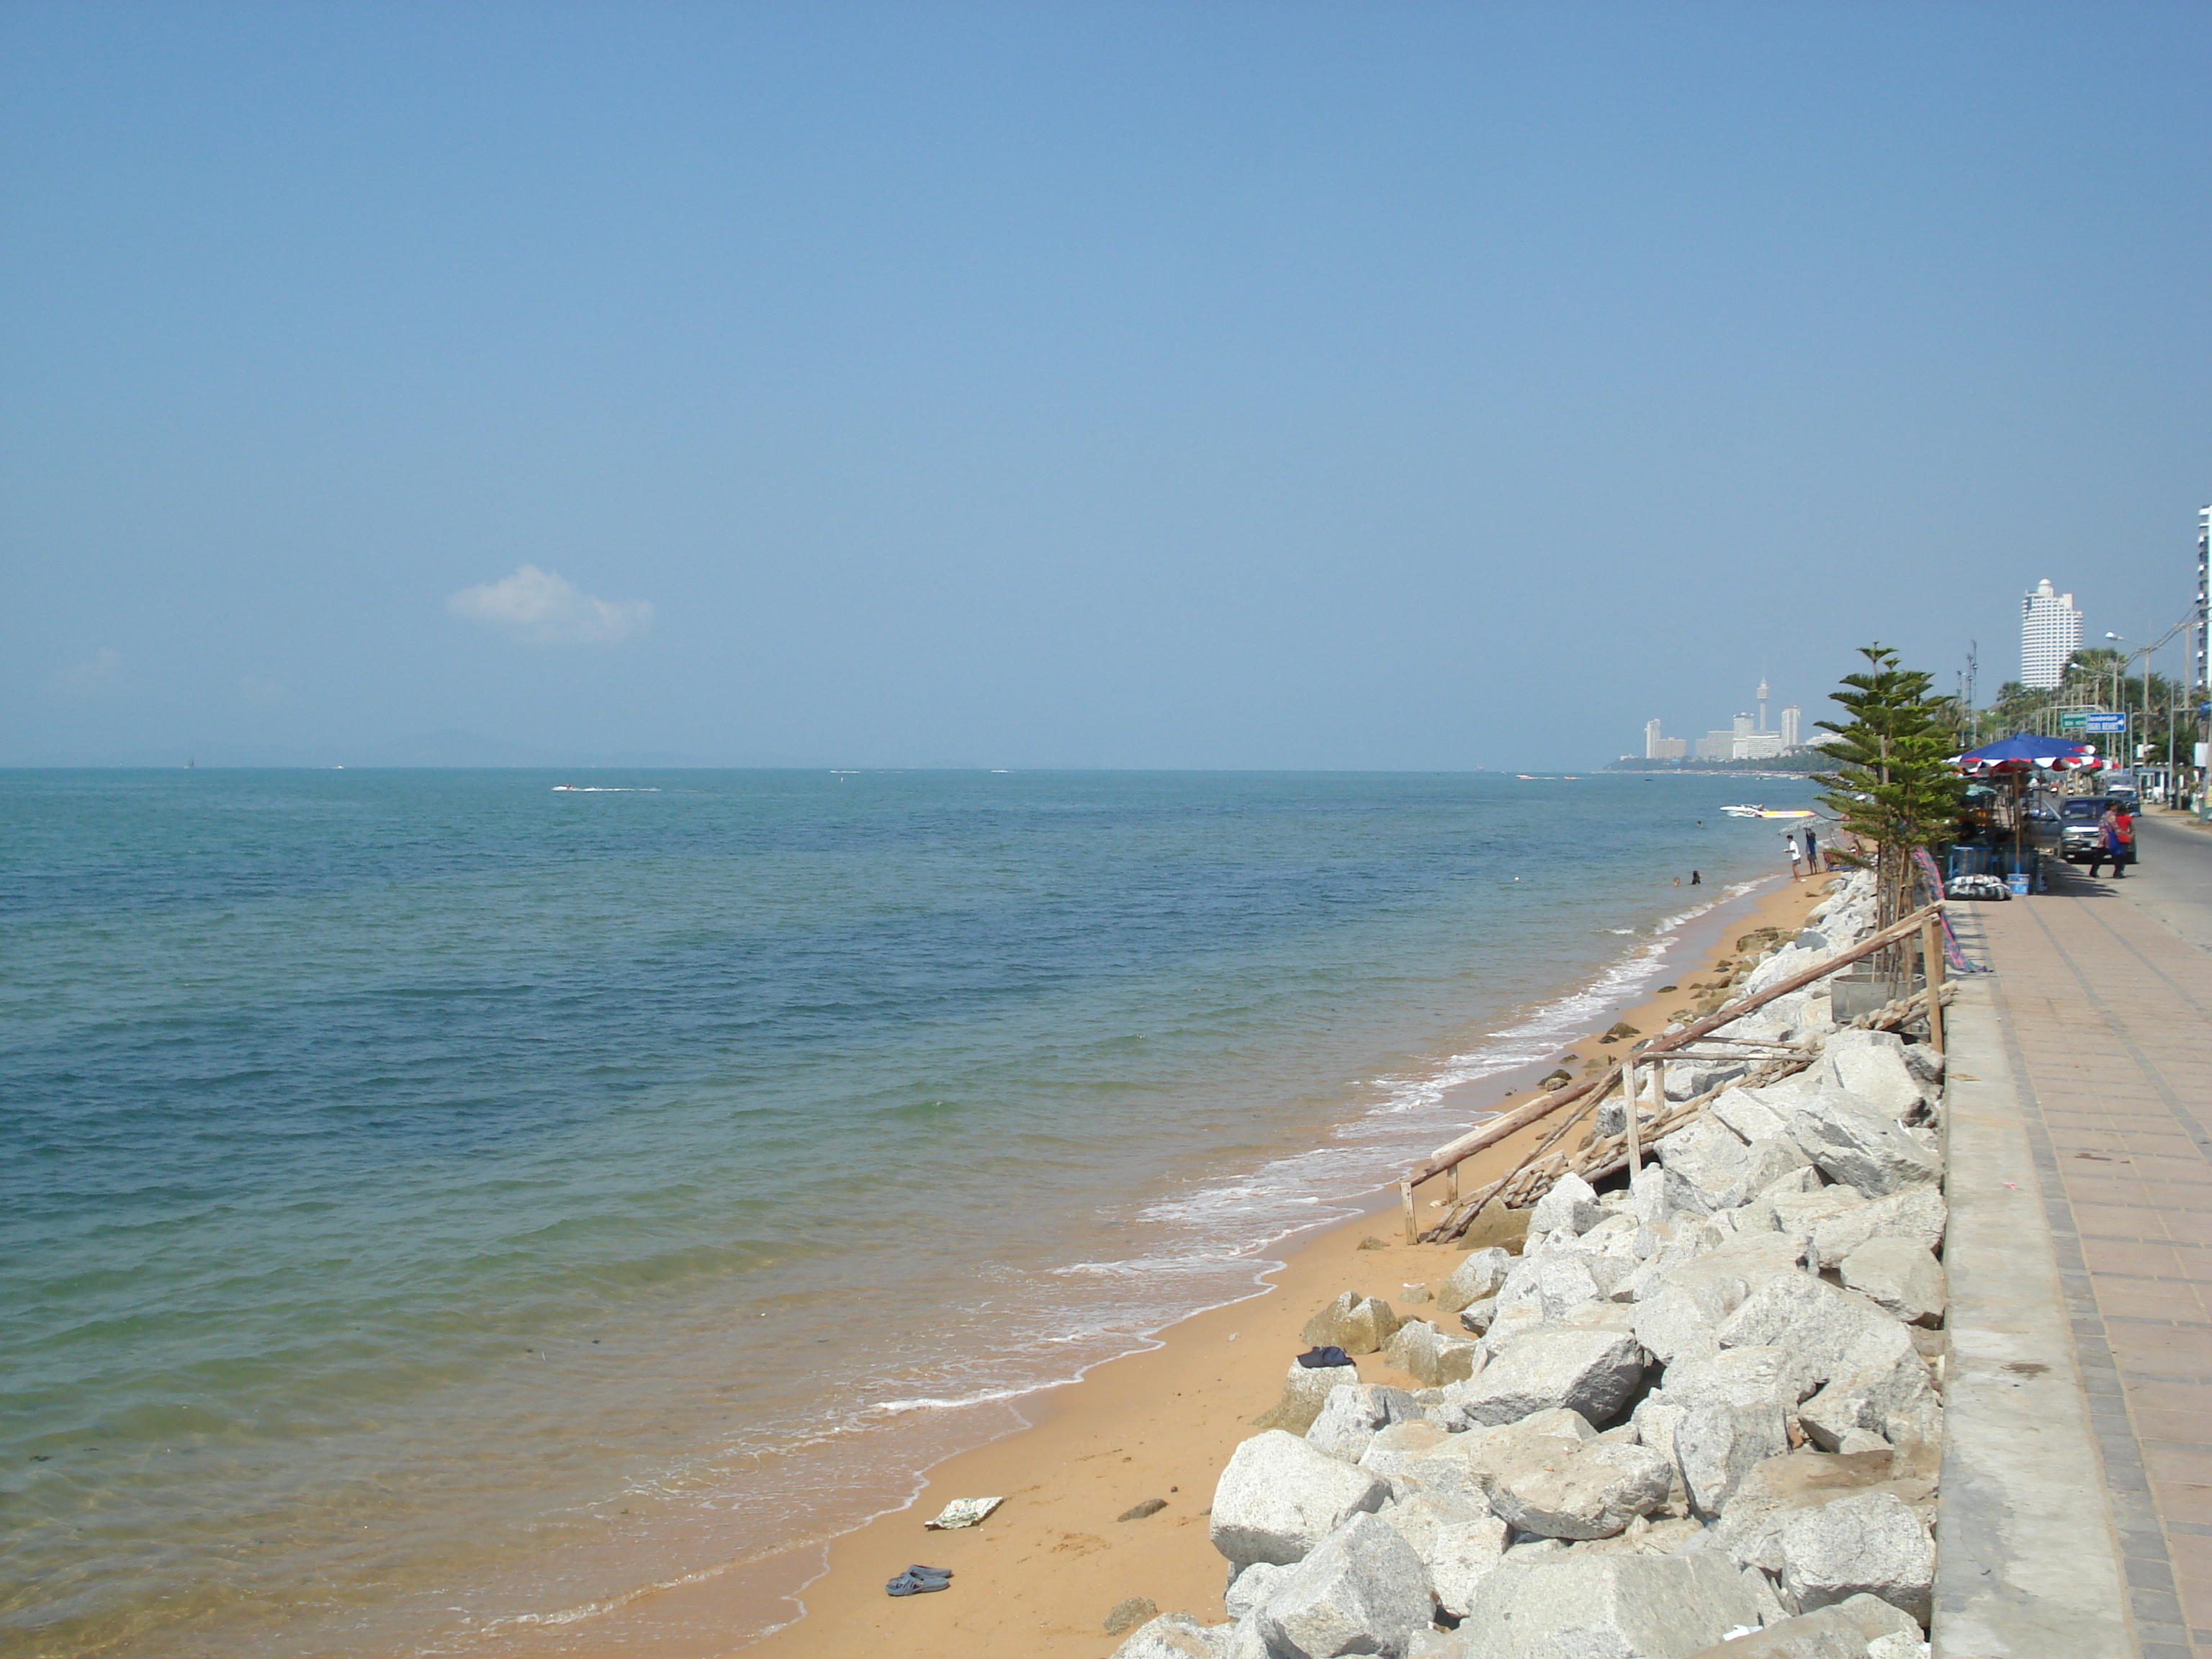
x=2018 y=882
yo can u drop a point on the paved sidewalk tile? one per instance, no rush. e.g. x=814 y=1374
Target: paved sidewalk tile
x=2108 y=1017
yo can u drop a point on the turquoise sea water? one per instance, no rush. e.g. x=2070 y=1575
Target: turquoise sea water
x=432 y=1204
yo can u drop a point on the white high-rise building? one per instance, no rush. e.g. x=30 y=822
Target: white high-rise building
x=1792 y=725
x=2050 y=633
x=1658 y=748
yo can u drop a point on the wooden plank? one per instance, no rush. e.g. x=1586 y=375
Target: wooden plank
x=1496 y=1129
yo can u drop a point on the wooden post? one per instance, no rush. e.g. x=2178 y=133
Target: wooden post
x=1931 y=972
x=1405 y=1204
x=1630 y=1127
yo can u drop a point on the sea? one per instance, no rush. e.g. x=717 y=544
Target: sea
x=437 y=1207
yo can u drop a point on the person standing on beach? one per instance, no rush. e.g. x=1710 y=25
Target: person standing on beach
x=1796 y=858
x=1812 y=852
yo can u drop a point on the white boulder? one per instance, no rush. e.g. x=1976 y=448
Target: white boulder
x=1457 y=1539
x=1918 y=1214
x=1353 y=1322
x=1429 y=1356
x=1589 y=1489
x=1354 y=1414
x=1898 y=1276
x=1475 y=1280
x=1871 y=1543
x=1571 y=1207
x=1622 y=1605
x=1279 y=1497
x=1591 y=1370
x=1361 y=1590
x=1859 y=1147
x=1872 y=1066
x=1170 y=1636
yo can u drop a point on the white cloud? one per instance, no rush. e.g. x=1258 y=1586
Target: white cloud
x=95 y=676
x=547 y=608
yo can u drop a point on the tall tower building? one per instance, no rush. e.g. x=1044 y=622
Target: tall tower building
x=2198 y=680
x=1762 y=703
x=1792 y=718
x=1651 y=740
x=2050 y=633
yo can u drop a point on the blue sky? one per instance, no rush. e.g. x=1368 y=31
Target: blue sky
x=1095 y=385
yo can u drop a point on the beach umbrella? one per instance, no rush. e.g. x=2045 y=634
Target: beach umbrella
x=2017 y=756
x=2022 y=752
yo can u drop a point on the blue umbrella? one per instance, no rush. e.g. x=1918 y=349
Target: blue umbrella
x=2021 y=750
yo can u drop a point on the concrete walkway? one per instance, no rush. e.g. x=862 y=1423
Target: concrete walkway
x=2090 y=1050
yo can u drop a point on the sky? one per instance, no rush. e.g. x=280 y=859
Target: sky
x=1212 y=385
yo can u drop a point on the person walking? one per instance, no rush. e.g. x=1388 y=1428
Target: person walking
x=2115 y=841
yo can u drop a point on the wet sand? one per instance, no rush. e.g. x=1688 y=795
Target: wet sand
x=1038 y=1579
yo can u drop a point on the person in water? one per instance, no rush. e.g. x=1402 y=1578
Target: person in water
x=1696 y=880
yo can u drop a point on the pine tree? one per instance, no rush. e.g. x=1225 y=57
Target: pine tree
x=1892 y=785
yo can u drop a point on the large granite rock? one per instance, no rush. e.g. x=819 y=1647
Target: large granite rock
x=1872 y=1066
x=1773 y=1494
x=1591 y=1370
x=1873 y=1378
x=1170 y=1636
x=1717 y=1442
x=1306 y=1391
x=1475 y=1280
x=1361 y=1590
x=1918 y=1214
x=1457 y=1539
x=1848 y=1630
x=1353 y=1322
x=1606 y=1606
x=1391 y=1450
x=1569 y=1209
x=1871 y=1544
x=1249 y=1587
x=1897 y=1276
x=1354 y=1414
x=1429 y=1356
x=1278 y=1498
x=1593 y=1489
x=1458 y=1464
x=1857 y=1145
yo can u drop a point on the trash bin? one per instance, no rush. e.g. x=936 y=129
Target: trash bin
x=2018 y=882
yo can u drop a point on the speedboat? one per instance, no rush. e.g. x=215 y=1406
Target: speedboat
x=1744 y=811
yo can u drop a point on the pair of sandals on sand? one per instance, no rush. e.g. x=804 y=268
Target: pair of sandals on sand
x=919 y=1580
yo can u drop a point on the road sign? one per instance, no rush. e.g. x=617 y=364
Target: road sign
x=2073 y=720
x=2105 y=723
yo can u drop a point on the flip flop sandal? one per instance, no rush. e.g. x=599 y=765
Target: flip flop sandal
x=908 y=1583
x=920 y=1572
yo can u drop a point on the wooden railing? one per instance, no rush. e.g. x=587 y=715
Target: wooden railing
x=1446 y=1160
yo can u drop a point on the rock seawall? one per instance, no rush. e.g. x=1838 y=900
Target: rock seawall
x=1697 y=1417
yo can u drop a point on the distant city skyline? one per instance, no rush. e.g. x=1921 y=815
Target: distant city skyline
x=1747 y=737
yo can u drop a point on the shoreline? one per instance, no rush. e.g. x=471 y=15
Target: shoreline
x=1158 y=1423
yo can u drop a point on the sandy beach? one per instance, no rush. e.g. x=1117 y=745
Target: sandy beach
x=1040 y=1576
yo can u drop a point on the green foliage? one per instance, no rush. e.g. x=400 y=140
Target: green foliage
x=1892 y=784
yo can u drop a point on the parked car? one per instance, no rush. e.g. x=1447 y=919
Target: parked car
x=2080 y=840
